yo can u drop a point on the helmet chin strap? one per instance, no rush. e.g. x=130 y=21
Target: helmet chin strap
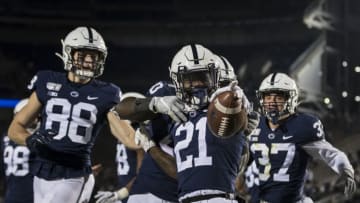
x=273 y=116
x=276 y=116
x=198 y=98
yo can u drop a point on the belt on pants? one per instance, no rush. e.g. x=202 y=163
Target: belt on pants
x=209 y=196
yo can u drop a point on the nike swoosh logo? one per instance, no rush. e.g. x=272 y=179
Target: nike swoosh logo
x=287 y=137
x=91 y=98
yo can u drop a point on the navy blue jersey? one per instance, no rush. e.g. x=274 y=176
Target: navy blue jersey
x=76 y=112
x=19 y=181
x=126 y=161
x=279 y=157
x=151 y=178
x=203 y=160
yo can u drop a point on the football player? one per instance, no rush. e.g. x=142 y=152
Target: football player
x=16 y=159
x=152 y=183
x=199 y=154
x=285 y=140
x=128 y=163
x=73 y=107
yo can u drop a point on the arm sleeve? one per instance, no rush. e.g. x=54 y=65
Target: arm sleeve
x=333 y=157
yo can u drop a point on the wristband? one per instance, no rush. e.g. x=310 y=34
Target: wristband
x=122 y=193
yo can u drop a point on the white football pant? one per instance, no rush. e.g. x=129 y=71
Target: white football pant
x=147 y=197
x=63 y=190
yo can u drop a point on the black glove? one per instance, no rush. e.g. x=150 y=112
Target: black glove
x=39 y=137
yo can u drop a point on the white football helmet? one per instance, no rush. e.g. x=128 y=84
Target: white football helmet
x=227 y=73
x=279 y=83
x=129 y=95
x=83 y=38
x=132 y=94
x=194 y=63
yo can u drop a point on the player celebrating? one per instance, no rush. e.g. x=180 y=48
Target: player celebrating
x=128 y=162
x=73 y=107
x=200 y=154
x=150 y=172
x=285 y=140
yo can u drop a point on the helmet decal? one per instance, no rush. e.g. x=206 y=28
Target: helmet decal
x=91 y=40
x=273 y=78
x=195 y=54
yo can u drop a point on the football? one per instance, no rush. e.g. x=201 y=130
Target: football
x=225 y=115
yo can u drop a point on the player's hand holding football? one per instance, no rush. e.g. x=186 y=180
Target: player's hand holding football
x=231 y=87
x=350 y=184
x=169 y=105
x=40 y=138
x=142 y=139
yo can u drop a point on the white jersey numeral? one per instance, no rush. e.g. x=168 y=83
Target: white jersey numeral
x=70 y=120
x=123 y=166
x=202 y=159
x=156 y=87
x=264 y=160
x=17 y=160
x=320 y=129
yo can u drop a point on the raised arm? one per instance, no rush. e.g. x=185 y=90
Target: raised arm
x=139 y=110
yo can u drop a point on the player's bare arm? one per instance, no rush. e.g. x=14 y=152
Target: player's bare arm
x=122 y=130
x=17 y=130
x=139 y=158
x=166 y=162
x=135 y=109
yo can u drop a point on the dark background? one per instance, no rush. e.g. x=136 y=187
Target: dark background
x=298 y=37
